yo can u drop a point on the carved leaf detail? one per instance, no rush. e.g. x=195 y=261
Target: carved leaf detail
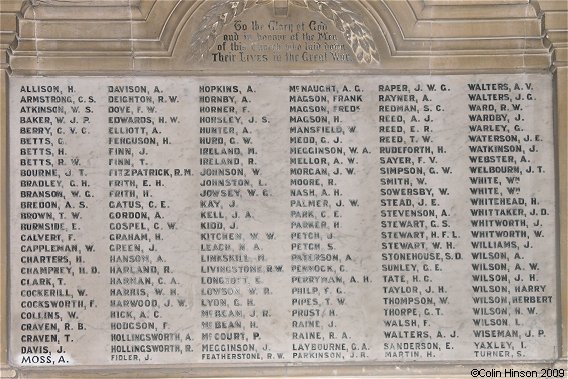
x=215 y=19
x=345 y=20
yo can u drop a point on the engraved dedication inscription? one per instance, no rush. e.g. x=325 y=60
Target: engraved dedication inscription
x=162 y=220
x=314 y=32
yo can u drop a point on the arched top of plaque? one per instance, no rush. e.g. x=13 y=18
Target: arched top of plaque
x=279 y=36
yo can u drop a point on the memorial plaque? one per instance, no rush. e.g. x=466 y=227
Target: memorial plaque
x=282 y=219
x=284 y=184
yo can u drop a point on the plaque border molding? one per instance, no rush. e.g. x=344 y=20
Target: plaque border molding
x=419 y=36
x=137 y=37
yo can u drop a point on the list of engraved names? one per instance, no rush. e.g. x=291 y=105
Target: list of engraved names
x=172 y=220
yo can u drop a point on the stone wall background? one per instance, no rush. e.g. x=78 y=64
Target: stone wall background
x=436 y=36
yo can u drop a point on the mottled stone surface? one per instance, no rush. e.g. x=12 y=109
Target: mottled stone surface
x=360 y=43
x=282 y=219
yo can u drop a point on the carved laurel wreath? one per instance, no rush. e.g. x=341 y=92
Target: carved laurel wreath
x=345 y=20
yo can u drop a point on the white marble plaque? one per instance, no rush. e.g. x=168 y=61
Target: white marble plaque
x=249 y=220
